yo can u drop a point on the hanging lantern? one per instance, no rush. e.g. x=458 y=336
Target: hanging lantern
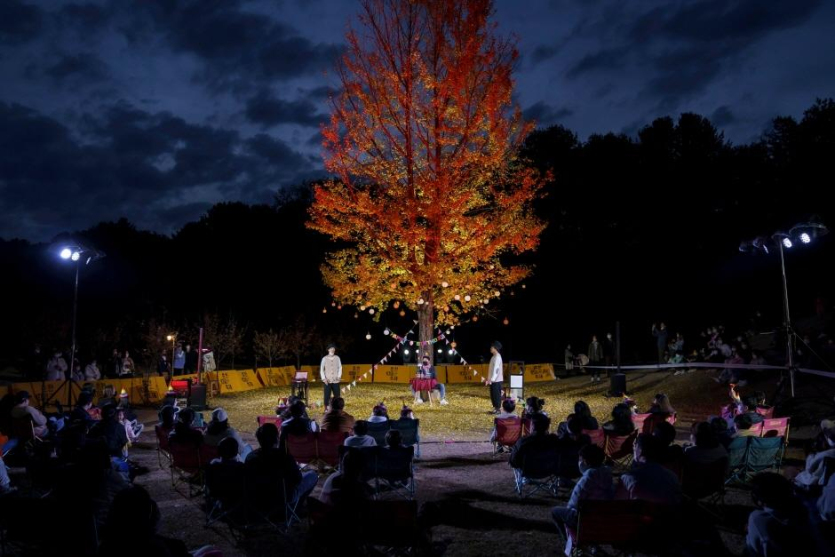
x=371 y=311
x=506 y=321
x=324 y=310
x=402 y=313
x=362 y=308
x=445 y=284
x=475 y=318
x=339 y=306
x=497 y=293
x=453 y=344
x=356 y=315
x=386 y=332
x=396 y=304
x=446 y=309
x=333 y=304
x=467 y=298
x=457 y=296
x=368 y=336
x=524 y=286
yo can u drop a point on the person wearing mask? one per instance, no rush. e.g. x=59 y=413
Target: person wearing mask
x=780 y=525
x=595 y=483
x=427 y=371
x=330 y=372
x=495 y=376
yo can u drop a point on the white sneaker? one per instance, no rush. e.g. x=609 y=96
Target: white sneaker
x=418 y=401
x=444 y=402
x=592 y=379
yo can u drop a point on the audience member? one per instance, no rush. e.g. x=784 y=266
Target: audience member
x=533 y=406
x=705 y=448
x=22 y=411
x=648 y=479
x=779 y=526
x=297 y=424
x=274 y=464
x=538 y=442
x=183 y=431
x=621 y=423
x=813 y=472
x=360 y=438
x=508 y=411
x=379 y=414
x=336 y=419
x=219 y=429
x=595 y=483
x=582 y=412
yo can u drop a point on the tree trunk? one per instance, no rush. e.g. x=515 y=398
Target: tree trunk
x=426 y=325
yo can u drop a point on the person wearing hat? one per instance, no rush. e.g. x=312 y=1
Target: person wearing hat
x=495 y=376
x=22 y=411
x=219 y=429
x=330 y=371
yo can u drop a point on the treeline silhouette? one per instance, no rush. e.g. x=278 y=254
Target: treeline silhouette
x=641 y=229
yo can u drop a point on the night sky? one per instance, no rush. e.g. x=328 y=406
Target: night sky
x=155 y=110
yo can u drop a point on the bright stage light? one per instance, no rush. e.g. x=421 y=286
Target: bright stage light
x=805 y=238
x=406 y=351
x=451 y=351
x=787 y=243
x=66 y=253
x=76 y=255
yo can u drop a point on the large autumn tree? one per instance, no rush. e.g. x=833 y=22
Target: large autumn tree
x=429 y=198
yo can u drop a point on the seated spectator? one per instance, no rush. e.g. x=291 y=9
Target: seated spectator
x=5 y=482
x=533 y=406
x=345 y=488
x=757 y=359
x=648 y=480
x=813 y=472
x=659 y=411
x=167 y=418
x=406 y=413
x=183 y=431
x=129 y=428
x=743 y=424
x=219 y=429
x=23 y=411
x=826 y=502
x=394 y=441
x=297 y=424
x=131 y=529
x=595 y=483
x=721 y=431
x=780 y=525
x=228 y=451
x=569 y=446
x=81 y=415
x=621 y=423
x=360 y=438
x=337 y=419
x=537 y=442
x=275 y=464
x=706 y=448
x=112 y=434
x=508 y=411
x=671 y=454
x=283 y=410
x=379 y=414
x=582 y=412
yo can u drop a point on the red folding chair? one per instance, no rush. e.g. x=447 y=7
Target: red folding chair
x=162 y=444
x=186 y=466
x=619 y=448
x=269 y=420
x=327 y=446
x=508 y=431
x=765 y=412
x=776 y=427
x=302 y=448
x=526 y=426
x=639 y=419
x=597 y=436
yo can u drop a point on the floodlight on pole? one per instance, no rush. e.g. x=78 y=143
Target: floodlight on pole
x=787 y=243
x=805 y=238
x=66 y=253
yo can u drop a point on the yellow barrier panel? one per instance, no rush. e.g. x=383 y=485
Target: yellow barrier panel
x=353 y=372
x=393 y=374
x=312 y=373
x=539 y=372
x=139 y=389
x=464 y=374
x=235 y=381
x=276 y=376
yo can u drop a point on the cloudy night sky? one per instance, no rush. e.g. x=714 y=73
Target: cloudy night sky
x=156 y=109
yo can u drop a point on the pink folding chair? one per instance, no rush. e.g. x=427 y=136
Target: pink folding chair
x=765 y=412
x=269 y=420
x=508 y=431
x=776 y=427
x=639 y=419
x=302 y=448
x=597 y=436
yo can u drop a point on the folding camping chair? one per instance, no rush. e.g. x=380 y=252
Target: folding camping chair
x=764 y=453
x=162 y=445
x=378 y=431
x=626 y=525
x=267 y=501
x=737 y=458
x=539 y=472
x=269 y=420
x=776 y=427
x=394 y=470
x=302 y=448
x=226 y=495
x=391 y=525
x=409 y=433
x=597 y=436
x=619 y=448
x=508 y=432
x=327 y=447
x=186 y=466
x=705 y=482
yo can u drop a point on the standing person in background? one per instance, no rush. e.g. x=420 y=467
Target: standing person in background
x=495 y=376
x=330 y=372
x=114 y=367
x=608 y=351
x=163 y=368
x=128 y=367
x=660 y=333
x=179 y=362
x=91 y=372
x=569 y=360
x=56 y=369
x=595 y=358
x=191 y=360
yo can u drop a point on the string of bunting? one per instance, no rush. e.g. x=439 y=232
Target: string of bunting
x=400 y=341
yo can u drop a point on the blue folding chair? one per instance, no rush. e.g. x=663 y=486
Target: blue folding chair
x=737 y=459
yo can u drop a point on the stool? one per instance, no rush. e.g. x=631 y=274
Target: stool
x=299 y=389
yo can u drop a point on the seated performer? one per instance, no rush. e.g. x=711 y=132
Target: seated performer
x=427 y=371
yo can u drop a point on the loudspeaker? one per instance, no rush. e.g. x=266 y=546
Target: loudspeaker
x=617 y=384
x=197 y=400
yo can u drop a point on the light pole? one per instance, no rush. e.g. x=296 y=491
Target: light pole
x=76 y=253
x=173 y=338
x=802 y=233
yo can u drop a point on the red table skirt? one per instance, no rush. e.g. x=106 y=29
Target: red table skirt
x=423 y=384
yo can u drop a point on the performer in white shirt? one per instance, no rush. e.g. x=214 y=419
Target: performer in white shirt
x=495 y=376
x=330 y=371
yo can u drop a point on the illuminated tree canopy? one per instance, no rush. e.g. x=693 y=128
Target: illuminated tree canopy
x=429 y=195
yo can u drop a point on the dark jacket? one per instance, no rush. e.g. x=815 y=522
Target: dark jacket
x=531 y=445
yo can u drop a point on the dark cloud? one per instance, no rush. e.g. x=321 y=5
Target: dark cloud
x=85 y=19
x=132 y=163
x=236 y=46
x=87 y=67
x=606 y=59
x=267 y=110
x=545 y=114
x=543 y=52
x=19 y=22
x=722 y=116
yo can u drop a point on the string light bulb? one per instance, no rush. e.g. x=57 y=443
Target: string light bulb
x=457 y=297
x=368 y=336
x=506 y=321
x=324 y=310
x=445 y=284
x=467 y=298
x=371 y=311
x=402 y=313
